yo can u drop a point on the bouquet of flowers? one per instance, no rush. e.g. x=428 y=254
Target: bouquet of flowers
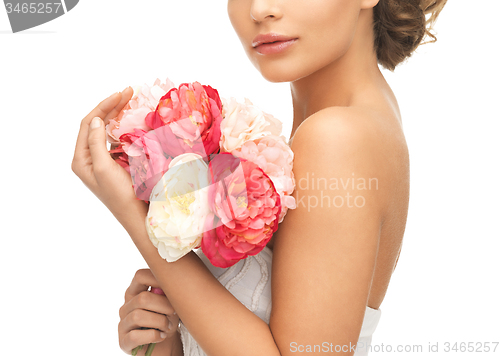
x=216 y=173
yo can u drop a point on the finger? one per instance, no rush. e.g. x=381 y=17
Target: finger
x=148 y=301
x=101 y=110
x=173 y=323
x=140 y=337
x=127 y=94
x=143 y=278
x=97 y=147
x=140 y=318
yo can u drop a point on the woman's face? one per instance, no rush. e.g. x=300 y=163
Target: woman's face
x=309 y=34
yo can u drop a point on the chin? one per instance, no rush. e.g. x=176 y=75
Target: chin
x=295 y=66
x=274 y=77
x=279 y=72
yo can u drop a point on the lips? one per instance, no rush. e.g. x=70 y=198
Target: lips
x=272 y=43
x=270 y=38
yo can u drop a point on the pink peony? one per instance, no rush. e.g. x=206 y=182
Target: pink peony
x=156 y=290
x=245 y=206
x=275 y=158
x=147 y=160
x=132 y=116
x=191 y=115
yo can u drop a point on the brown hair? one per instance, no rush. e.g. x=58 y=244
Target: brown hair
x=399 y=27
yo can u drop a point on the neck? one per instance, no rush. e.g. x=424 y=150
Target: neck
x=340 y=82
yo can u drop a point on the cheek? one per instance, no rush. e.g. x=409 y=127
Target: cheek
x=330 y=26
x=239 y=15
x=239 y=12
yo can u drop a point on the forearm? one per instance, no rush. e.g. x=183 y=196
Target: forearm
x=218 y=321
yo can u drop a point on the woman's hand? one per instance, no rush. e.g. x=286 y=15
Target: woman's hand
x=93 y=164
x=144 y=309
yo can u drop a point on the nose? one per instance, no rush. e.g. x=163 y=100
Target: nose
x=262 y=10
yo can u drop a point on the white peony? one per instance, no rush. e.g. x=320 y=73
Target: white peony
x=178 y=207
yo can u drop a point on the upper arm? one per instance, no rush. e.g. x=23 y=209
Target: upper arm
x=325 y=249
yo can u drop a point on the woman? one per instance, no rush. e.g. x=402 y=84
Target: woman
x=333 y=256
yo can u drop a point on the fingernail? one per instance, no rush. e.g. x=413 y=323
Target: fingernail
x=163 y=335
x=96 y=122
x=125 y=89
x=170 y=325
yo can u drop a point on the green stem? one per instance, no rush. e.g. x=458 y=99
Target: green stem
x=150 y=349
x=136 y=350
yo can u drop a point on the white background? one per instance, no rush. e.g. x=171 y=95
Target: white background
x=66 y=262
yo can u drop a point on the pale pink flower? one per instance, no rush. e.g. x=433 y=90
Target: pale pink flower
x=245 y=122
x=133 y=115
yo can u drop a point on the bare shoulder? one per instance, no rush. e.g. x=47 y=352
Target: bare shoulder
x=333 y=132
x=339 y=129
x=351 y=142
x=346 y=123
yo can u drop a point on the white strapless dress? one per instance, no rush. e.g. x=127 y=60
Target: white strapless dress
x=249 y=281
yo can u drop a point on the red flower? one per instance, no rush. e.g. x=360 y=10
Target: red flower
x=191 y=116
x=246 y=210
